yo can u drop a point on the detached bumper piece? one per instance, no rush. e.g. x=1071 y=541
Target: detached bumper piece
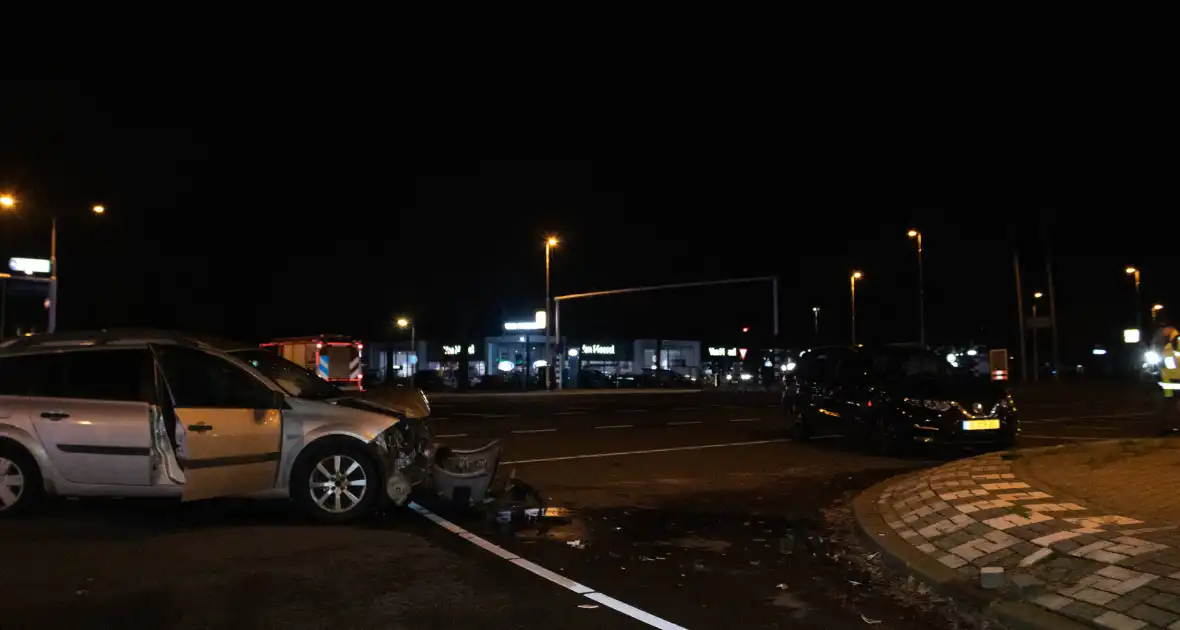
x=464 y=476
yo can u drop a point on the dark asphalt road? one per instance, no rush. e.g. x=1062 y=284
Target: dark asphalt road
x=691 y=507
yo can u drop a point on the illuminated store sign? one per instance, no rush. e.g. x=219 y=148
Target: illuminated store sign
x=597 y=349
x=723 y=352
x=536 y=324
x=453 y=350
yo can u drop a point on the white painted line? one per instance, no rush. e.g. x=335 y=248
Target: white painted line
x=451 y=435
x=632 y=411
x=744 y=419
x=615 y=426
x=534 y=430
x=685 y=408
x=569 y=413
x=678 y=424
x=1101 y=417
x=487 y=546
x=671 y=449
x=556 y=578
x=633 y=612
x=1061 y=437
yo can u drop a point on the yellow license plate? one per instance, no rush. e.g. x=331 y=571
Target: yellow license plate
x=981 y=425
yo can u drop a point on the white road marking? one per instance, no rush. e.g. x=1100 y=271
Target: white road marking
x=451 y=435
x=1061 y=437
x=670 y=449
x=615 y=426
x=744 y=419
x=534 y=430
x=632 y=411
x=685 y=408
x=677 y=424
x=541 y=571
x=569 y=413
x=1101 y=417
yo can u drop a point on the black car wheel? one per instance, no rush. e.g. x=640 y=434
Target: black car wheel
x=797 y=427
x=887 y=439
x=20 y=480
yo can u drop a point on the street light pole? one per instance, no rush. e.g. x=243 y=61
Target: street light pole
x=856 y=275
x=53 y=278
x=550 y=243
x=815 y=311
x=1036 y=360
x=1132 y=271
x=1155 y=309
x=921 y=291
x=402 y=322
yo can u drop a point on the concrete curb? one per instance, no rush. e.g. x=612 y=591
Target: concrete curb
x=906 y=559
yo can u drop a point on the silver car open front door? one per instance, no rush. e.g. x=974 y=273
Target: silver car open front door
x=228 y=423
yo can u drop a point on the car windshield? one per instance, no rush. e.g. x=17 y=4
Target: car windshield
x=294 y=380
x=910 y=364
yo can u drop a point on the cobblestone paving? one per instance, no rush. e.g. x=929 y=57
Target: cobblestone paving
x=1107 y=570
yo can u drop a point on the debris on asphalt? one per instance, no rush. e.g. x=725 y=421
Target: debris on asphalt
x=588 y=606
x=870 y=621
x=872 y=555
x=991 y=577
x=781 y=586
x=576 y=544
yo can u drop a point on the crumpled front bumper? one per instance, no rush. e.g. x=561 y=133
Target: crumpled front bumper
x=463 y=476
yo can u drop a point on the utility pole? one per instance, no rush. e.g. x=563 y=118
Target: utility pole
x=1052 y=313
x=1020 y=314
x=815 y=311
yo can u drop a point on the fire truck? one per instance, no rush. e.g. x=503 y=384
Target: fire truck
x=334 y=358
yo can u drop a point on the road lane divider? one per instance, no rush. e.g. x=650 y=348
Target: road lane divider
x=534 y=430
x=615 y=426
x=1107 y=416
x=683 y=422
x=450 y=435
x=1062 y=437
x=650 y=451
x=745 y=419
x=538 y=570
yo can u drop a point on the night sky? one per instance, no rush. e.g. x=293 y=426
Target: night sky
x=255 y=216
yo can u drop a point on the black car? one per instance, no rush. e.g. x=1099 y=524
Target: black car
x=894 y=397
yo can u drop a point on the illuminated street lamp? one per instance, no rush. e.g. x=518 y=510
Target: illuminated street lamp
x=1132 y=271
x=915 y=234
x=1155 y=309
x=550 y=243
x=856 y=275
x=815 y=312
x=402 y=322
x=7 y=202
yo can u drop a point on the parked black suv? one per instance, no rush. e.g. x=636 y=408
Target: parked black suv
x=894 y=397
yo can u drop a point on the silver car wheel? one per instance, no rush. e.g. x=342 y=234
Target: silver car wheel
x=337 y=484
x=12 y=483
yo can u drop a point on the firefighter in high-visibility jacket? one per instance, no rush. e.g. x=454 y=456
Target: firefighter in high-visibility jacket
x=1166 y=343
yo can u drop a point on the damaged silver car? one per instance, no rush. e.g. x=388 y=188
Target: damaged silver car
x=151 y=413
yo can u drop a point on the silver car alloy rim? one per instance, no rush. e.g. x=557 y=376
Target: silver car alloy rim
x=337 y=483
x=12 y=483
